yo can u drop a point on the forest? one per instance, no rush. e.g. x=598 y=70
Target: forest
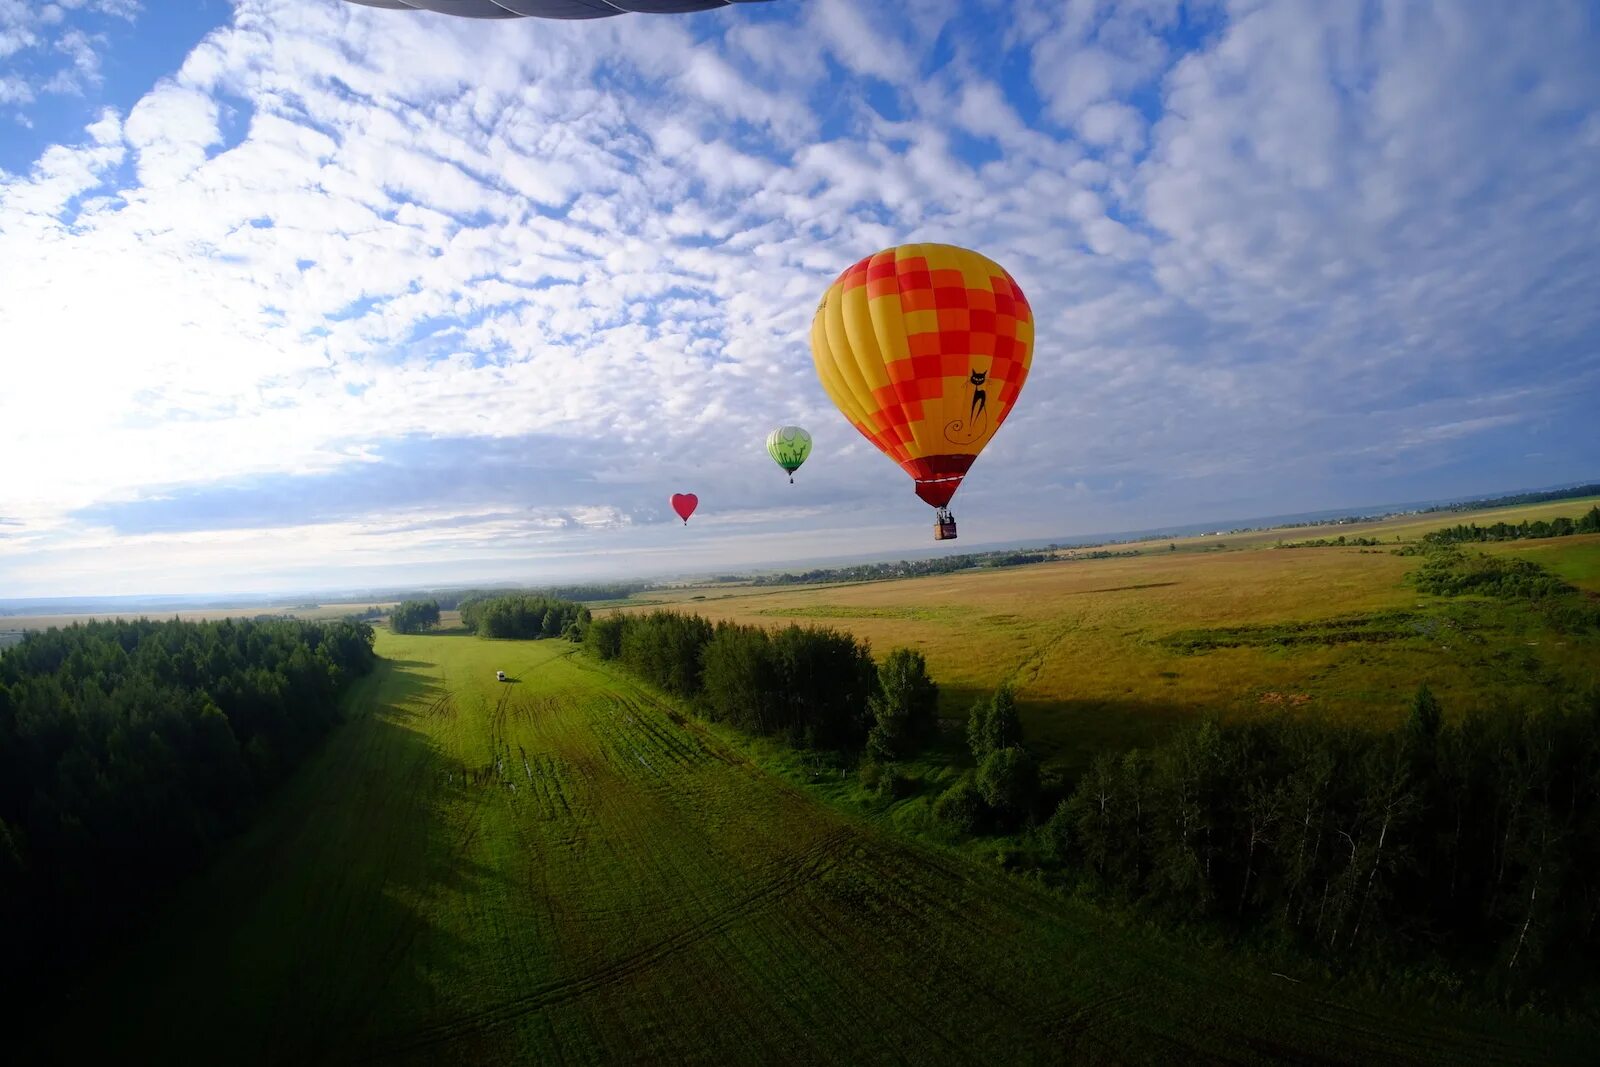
x=1474 y=844
x=1574 y=493
x=811 y=686
x=1468 y=850
x=453 y=599
x=909 y=568
x=1561 y=526
x=524 y=615
x=414 y=616
x=130 y=750
x=1341 y=541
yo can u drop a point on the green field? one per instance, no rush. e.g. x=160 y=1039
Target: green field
x=563 y=869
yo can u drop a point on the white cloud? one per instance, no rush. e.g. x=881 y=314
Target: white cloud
x=1343 y=238
x=170 y=130
x=1110 y=123
x=1097 y=50
x=858 y=43
x=62 y=58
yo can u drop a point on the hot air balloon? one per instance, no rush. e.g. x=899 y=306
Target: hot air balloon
x=924 y=349
x=789 y=446
x=684 y=504
x=551 y=9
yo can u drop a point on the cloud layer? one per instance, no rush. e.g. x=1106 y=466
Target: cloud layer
x=356 y=289
x=53 y=48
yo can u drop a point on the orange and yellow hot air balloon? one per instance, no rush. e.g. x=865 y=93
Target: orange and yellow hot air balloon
x=924 y=348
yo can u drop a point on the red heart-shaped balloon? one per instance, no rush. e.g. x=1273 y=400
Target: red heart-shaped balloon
x=684 y=504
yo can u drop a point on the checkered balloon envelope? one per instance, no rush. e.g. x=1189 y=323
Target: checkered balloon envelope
x=925 y=348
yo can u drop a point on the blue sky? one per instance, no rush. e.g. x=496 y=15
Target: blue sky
x=295 y=293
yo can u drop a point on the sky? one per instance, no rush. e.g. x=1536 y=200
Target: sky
x=298 y=294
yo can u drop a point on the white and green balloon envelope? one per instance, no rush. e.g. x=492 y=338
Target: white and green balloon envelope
x=789 y=446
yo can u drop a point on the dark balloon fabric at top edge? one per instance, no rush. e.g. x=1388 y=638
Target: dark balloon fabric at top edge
x=552 y=9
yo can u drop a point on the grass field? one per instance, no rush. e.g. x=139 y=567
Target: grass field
x=1116 y=651
x=1398 y=527
x=563 y=870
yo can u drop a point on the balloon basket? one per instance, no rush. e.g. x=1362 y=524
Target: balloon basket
x=944 y=526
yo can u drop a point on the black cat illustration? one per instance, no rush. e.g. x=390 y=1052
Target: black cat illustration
x=980 y=399
x=965 y=431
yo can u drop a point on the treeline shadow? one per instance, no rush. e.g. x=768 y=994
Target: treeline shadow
x=311 y=937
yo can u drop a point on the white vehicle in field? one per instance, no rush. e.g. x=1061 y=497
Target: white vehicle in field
x=499 y=676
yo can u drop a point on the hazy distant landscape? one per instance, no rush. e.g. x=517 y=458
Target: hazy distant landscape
x=32 y=613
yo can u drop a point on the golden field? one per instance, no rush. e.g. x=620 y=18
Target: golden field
x=1113 y=651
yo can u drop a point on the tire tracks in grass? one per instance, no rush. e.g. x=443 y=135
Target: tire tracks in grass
x=635 y=857
x=816 y=931
x=781 y=883
x=1026 y=671
x=875 y=948
x=899 y=881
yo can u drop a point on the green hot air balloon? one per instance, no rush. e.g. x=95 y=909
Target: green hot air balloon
x=789 y=446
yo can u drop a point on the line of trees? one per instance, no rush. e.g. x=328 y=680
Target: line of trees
x=453 y=599
x=1593 y=489
x=1561 y=526
x=812 y=686
x=910 y=568
x=1330 y=542
x=1480 y=839
x=414 y=616
x=129 y=750
x=525 y=616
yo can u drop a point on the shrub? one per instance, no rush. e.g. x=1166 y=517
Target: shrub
x=894 y=783
x=1009 y=782
x=1449 y=572
x=960 y=807
x=1058 y=833
x=870 y=774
